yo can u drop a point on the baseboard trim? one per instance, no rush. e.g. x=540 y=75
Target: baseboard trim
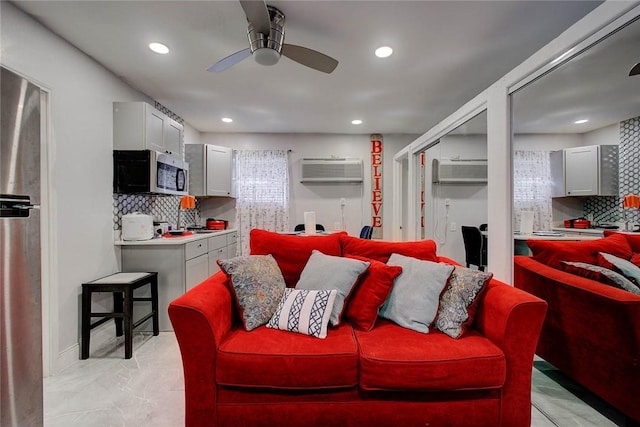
x=71 y=355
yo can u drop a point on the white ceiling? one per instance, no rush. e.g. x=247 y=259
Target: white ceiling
x=445 y=53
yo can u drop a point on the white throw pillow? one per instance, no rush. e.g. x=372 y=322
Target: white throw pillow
x=303 y=311
x=414 y=299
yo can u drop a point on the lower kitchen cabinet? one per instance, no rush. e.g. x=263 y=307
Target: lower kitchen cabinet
x=180 y=266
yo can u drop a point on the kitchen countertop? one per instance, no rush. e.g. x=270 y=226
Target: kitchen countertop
x=567 y=236
x=597 y=231
x=181 y=240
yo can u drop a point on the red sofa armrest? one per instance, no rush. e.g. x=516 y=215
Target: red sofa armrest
x=512 y=319
x=201 y=318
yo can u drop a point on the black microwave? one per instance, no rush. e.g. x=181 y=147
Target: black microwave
x=149 y=172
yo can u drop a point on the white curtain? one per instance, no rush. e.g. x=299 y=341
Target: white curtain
x=532 y=188
x=262 y=192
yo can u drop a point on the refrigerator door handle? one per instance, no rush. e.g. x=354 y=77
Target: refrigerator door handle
x=26 y=207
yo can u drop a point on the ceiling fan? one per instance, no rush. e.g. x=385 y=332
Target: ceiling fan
x=266 y=42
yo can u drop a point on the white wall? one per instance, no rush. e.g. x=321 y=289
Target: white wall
x=324 y=199
x=82 y=92
x=607 y=135
x=468 y=202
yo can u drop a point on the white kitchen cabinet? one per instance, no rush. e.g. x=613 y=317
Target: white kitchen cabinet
x=210 y=169
x=196 y=271
x=139 y=126
x=585 y=171
x=181 y=264
x=221 y=247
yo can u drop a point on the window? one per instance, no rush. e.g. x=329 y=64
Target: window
x=262 y=192
x=532 y=187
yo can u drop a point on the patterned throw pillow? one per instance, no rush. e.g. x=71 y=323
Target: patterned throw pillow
x=457 y=301
x=257 y=285
x=331 y=272
x=600 y=274
x=414 y=299
x=304 y=311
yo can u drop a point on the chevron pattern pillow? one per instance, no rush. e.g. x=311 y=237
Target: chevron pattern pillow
x=304 y=311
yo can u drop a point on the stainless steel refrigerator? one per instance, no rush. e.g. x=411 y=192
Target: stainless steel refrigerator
x=20 y=305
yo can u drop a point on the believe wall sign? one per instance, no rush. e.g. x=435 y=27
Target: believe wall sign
x=376 y=185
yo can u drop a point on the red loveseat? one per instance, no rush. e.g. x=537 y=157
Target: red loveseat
x=388 y=376
x=592 y=330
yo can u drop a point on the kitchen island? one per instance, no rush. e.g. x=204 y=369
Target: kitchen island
x=181 y=262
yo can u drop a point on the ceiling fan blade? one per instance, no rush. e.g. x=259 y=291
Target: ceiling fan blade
x=635 y=70
x=309 y=57
x=230 y=60
x=257 y=14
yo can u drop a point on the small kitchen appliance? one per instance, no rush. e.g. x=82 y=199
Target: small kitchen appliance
x=149 y=172
x=137 y=226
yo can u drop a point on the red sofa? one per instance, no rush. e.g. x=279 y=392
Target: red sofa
x=592 y=330
x=388 y=376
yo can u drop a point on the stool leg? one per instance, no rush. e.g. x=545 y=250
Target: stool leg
x=154 y=305
x=117 y=308
x=128 y=323
x=86 y=322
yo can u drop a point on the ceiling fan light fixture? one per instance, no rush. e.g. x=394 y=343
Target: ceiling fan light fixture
x=159 y=48
x=383 y=52
x=266 y=56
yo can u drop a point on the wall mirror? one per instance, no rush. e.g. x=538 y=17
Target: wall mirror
x=589 y=100
x=455 y=186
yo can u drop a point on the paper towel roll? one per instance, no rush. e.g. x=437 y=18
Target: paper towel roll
x=310 y=223
x=526 y=222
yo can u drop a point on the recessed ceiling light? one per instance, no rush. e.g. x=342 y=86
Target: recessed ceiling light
x=383 y=51
x=227 y=119
x=356 y=122
x=579 y=122
x=159 y=48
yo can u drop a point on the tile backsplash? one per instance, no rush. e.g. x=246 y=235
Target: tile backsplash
x=162 y=208
x=609 y=209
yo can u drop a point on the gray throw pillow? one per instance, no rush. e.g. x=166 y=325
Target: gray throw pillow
x=331 y=272
x=414 y=299
x=627 y=268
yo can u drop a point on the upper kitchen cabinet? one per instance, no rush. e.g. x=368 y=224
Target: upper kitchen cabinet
x=585 y=171
x=210 y=169
x=139 y=126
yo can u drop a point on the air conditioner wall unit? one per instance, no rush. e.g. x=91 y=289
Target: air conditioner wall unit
x=459 y=171
x=332 y=170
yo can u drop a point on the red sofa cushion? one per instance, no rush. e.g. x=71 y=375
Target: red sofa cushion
x=552 y=252
x=370 y=293
x=269 y=358
x=292 y=252
x=633 y=239
x=395 y=358
x=382 y=250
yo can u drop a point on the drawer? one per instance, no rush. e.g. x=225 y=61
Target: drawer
x=232 y=238
x=217 y=242
x=194 y=249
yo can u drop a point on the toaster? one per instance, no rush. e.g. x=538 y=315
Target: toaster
x=137 y=226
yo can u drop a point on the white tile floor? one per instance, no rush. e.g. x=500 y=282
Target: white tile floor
x=147 y=390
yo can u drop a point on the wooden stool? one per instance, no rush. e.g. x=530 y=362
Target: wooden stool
x=122 y=286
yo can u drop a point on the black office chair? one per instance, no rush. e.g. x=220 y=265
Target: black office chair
x=300 y=227
x=366 y=232
x=475 y=247
x=484 y=227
